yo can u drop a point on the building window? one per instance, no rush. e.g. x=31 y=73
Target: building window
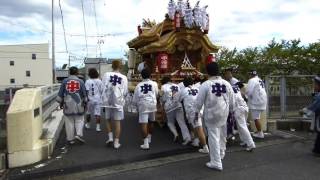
x=11 y=63
x=34 y=56
x=12 y=81
x=28 y=74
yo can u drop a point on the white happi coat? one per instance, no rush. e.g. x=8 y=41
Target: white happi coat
x=171 y=97
x=145 y=96
x=94 y=89
x=233 y=81
x=217 y=97
x=256 y=93
x=181 y=86
x=115 y=89
x=240 y=103
x=189 y=96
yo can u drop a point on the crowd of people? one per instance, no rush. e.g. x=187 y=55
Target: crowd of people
x=203 y=109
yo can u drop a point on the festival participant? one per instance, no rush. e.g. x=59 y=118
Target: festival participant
x=241 y=113
x=217 y=97
x=142 y=66
x=94 y=89
x=113 y=99
x=170 y=100
x=314 y=110
x=72 y=98
x=188 y=96
x=229 y=77
x=231 y=124
x=145 y=98
x=257 y=100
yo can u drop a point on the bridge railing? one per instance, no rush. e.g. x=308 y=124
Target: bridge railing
x=49 y=104
x=33 y=125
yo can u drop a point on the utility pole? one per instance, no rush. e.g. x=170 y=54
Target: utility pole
x=53 y=47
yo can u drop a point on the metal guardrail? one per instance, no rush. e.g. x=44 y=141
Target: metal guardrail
x=287 y=95
x=49 y=104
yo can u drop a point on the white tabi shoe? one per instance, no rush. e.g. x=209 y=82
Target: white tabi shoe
x=259 y=135
x=98 y=129
x=251 y=148
x=222 y=154
x=204 y=150
x=109 y=141
x=87 y=125
x=72 y=142
x=186 y=142
x=212 y=166
x=80 y=139
x=195 y=143
x=116 y=145
x=145 y=147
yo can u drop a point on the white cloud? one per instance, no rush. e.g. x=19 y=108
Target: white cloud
x=233 y=23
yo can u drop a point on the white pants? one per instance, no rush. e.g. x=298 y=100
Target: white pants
x=241 y=116
x=177 y=114
x=217 y=144
x=74 y=126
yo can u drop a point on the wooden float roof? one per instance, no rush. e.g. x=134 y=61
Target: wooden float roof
x=162 y=37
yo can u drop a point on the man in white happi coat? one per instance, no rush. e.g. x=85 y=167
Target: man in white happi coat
x=145 y=98
x=94 y=89
x=170 y=101
x=240 y=111
x=188 y=97
x=113 y=99
x=216 y=94
x=257 y=100
x=229 y=77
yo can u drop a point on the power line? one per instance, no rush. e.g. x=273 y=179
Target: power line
x=67 y=34
x=64 y=30
x=84 y=27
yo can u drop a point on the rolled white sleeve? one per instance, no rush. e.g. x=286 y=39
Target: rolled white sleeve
x=135 y=95
x=250 y=88
x=201 y=97
x=232 y=101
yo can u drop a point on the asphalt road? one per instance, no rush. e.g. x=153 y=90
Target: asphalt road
x=161 y=162
x=289 y=161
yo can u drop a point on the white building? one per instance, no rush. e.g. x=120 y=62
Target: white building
x=25 y=64
x=102 y=65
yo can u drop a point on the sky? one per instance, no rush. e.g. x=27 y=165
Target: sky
x=233 y=23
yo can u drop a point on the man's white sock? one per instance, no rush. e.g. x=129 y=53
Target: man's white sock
x=205 y=147
x=149 y=137
x=110 y=135
x=146 y=141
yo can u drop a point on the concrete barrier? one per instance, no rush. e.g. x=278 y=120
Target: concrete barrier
x=30 y=137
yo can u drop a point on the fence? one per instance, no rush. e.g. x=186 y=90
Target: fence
x=287 y=95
